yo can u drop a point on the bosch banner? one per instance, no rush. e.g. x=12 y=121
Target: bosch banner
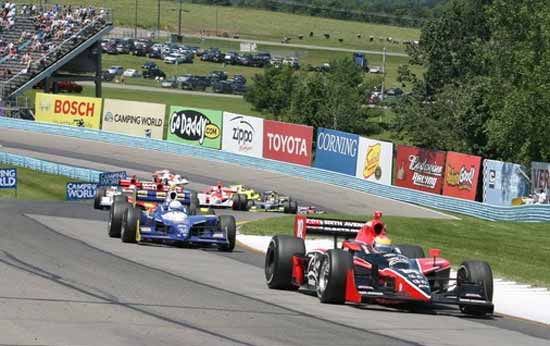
x=420 y=169
x=287 y=142
x=111 y=178
x=8 y=178
x=336 y=151
x=540 y=177
x=503 y=181
x=133 y=118
x=375 y=161
x=68 y=110
x=201 y=127
x=461 y=175
x=77 y=191
x=242 y=134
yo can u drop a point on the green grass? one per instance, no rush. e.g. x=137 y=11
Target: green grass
x=36 y=186
x=514 y=250
x=254 y=24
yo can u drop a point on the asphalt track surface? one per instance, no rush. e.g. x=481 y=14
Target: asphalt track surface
x=66 y=283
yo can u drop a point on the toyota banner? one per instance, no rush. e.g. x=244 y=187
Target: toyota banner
x=420 y=169
x=142 y=119
x=287 y=142
x=336 y=151
x=375 y=161
x=462 y=174
x=242 y=134
x=195 y=126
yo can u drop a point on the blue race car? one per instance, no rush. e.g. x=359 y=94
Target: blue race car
x=173 y=223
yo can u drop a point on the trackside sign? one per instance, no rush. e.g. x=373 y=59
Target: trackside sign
x=133 y=118
x=68 y=110
x=195 y=126
x=336 y=151
x=287 y=142
x=8 y=178
x=77 y=191
x=242 y=134
x=375 y=161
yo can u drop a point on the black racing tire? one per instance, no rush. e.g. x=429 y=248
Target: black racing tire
x=130 y=225
x=411 y=251
x=194 y=204
x=249 y=204
x=120 y=199
x=278 y=261
x=236 y=201
x=118 y=209
x=475 y=272
x=229 y=226
x=331 y=286
x=100 y=193
x=243 y=201
x=293 y=206
x=286 y=207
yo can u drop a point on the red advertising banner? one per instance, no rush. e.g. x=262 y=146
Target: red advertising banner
x=287 y=142
x=420 y=169
x=461 y=175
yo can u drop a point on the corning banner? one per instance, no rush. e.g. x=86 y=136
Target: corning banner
x=336 y=151
x=375 y=161
x=503 y=181
x=8 y=178
x=420 y=169
x=133 y=118
x=287 y=142
x=195 y=126
x=111 y=178
x=462 y=174
x=77 y=191
x=540 y=176
x=68 y=110
x=242 y=134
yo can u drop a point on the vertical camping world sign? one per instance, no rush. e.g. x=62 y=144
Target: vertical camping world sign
x=68 y=110
x=420 y=169
x=195 y=126
x=8 y=178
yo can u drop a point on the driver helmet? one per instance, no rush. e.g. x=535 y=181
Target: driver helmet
x=382 y=244
x=175 y=206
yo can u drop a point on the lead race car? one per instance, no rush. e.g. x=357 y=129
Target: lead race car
x=368 y=269
x=171 y=223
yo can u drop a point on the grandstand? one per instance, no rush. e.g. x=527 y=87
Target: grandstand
x=46 y=44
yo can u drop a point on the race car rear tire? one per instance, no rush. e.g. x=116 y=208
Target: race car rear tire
x=130 y=225
x=331 y=286
x=229 y=226
x=118 y=209
x=411 y=251
x=99 y=194
x=475 y=272
x=120 y=199
x=243 y=202
x=278 y=261
x=293 y=207
x=194 y=204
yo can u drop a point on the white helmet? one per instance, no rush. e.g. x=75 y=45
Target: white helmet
x=175 y=206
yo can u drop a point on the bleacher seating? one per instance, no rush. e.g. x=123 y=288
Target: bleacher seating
x=36 y=37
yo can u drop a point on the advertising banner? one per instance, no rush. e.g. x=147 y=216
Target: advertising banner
x=68 y=110
x=287 y=142
x=540 y=176
x=77 y=191
x=8 y=178
x=200 y=127
x=243 y=134
x=462 y=174
x=420 y=169
x=503 y=181
x=375 y=161
x=111 y=178
x=336 y=151
x=133 y=118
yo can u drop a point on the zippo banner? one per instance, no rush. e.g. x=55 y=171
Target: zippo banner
x=77 y=191
x=461 y=175
x=287 y=142
x=242 y=134
x=420 y=169
x=503 y=181
x=68 y=110
x=375 y=161
x=195 y=126
x=133 y=118
x=336 y=151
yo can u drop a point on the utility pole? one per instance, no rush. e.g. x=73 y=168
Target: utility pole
x=179 y=19
x=216 y=20
x=383 y=74
x=158 y=19
x=136 y=20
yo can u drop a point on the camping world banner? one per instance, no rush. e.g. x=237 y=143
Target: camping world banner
x=133 y=118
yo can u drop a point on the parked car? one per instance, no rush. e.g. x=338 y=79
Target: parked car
x=131 y=73
x=213 y=55
x=196 y=83
x=376 y=69
x=246 y=59
x=262 y=59
x=110 y=48
x=66 y=86
x=292 y=62
x=183 y=78
x=231 y=58
x=239 y=78
x=121 y=48
x=174 y=59
x=149 y=65
x=223 y=87
x=217 y=76
x=116 y=70
x=107 y=76
x=153 y=73
x=169 y=83
x=276 y=61
x=154 y=54
x=140 y=51
x=238 y=88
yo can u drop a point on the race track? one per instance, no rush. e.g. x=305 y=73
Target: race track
x=66 y=283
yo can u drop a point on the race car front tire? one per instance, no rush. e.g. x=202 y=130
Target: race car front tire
x=194 y=204
x=290 y=207
x=243 y=202
x=278 y=261
x=229 y=226
x=100 y=193
x=130 y=225
x=411 y=251
x=478 y=272
x=118 y=209
x=331 y=286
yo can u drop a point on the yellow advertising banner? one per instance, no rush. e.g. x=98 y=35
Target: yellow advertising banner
x=68 y=110
x=133 y=118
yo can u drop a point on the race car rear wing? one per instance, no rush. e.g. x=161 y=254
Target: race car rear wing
x=304 y=225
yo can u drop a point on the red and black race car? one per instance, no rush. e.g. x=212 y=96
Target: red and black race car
x=368 y=269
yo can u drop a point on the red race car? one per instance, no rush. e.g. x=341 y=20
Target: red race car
x=367 y=268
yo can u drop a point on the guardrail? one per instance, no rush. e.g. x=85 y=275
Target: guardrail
x=471 y=208
x=83 y=174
